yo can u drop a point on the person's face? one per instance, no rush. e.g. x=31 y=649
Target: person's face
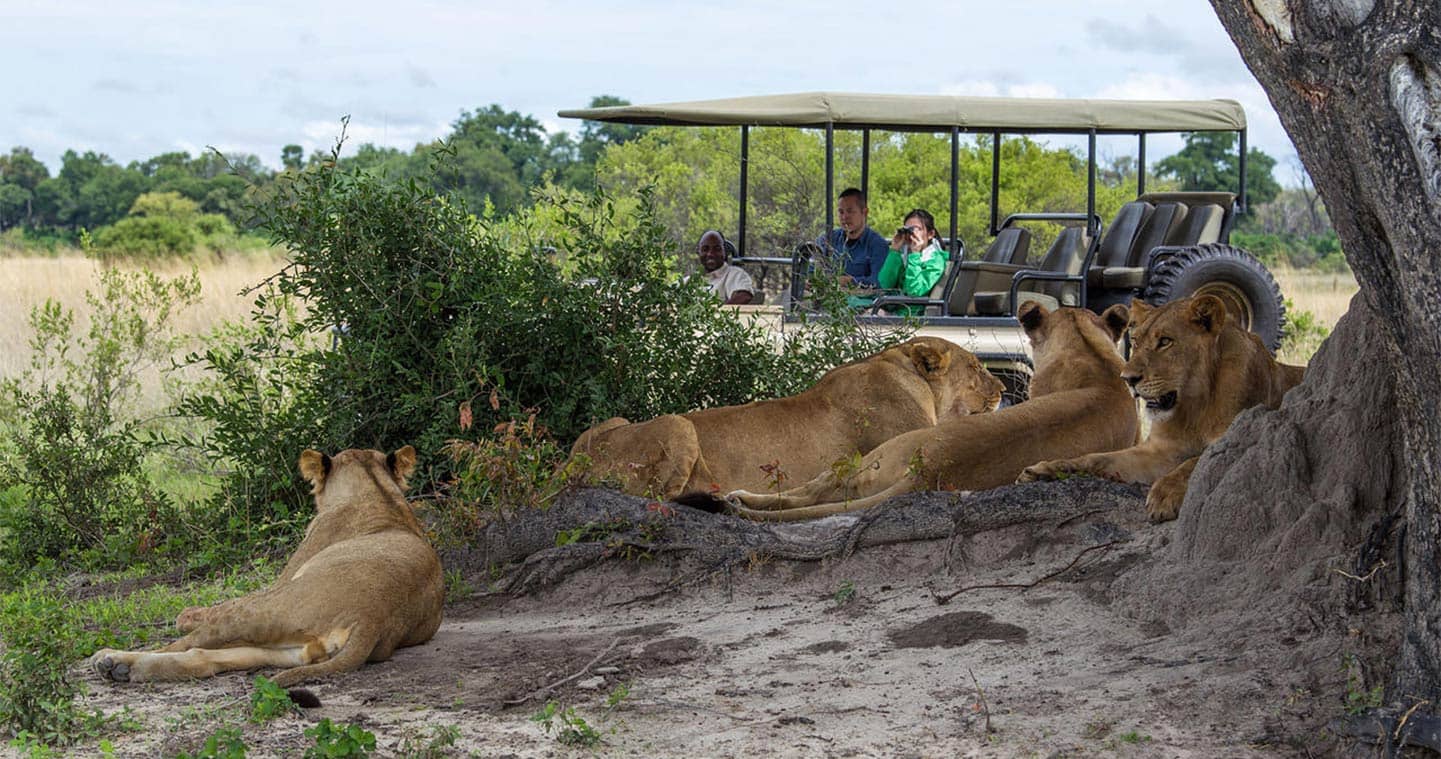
x=712 y=251
x=919 y=234
x=851 y=215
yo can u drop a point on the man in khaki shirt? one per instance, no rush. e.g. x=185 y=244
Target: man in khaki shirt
x=730 y=283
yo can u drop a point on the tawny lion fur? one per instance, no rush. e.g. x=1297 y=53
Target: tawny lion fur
x=362 y=583
x=852 y=408
x=1196 y=369
x=1078 y=404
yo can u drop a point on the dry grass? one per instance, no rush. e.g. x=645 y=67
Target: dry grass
x=1325 y=296
x=29 y=281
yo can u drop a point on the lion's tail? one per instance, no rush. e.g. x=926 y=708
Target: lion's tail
x=707 y=502
x=350 y=657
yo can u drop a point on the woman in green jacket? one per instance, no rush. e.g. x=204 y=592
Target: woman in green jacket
x=915 y=262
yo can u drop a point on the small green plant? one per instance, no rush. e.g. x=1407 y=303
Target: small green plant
x=225 y=743
x=457 y=588
x=570 y=728
x=845 y=593
x=1133 y=737
x=1359 y=699
x=333 y=740
x=624 y=538
x=269 y=701
x=434 y=743
x=1302 y=333
x=618 y=695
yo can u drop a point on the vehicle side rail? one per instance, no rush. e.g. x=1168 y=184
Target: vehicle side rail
x=1095 y=218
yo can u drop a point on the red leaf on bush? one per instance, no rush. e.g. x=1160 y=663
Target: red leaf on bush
x=466 y=419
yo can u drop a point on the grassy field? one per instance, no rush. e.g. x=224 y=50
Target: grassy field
x=1325 y=296
x=29 y=281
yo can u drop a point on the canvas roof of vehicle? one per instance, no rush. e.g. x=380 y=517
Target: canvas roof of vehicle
x=932 y=112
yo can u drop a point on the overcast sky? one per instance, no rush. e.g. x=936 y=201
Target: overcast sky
x=136 y=78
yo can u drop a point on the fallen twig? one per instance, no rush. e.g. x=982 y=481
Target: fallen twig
x=943 y=599
x=981 y=694
x=558 y=683
x=1380 y=565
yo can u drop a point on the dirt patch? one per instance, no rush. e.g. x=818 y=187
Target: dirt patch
x=955 y=630
x=765 y=661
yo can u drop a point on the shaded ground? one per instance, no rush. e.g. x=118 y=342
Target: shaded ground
x=845 y=657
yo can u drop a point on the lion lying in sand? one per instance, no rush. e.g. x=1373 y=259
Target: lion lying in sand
x=852 y=408
x=1078 y=404
x=1196 y=370
x=363 y=582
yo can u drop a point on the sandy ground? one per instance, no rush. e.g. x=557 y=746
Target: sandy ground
x=853 y=657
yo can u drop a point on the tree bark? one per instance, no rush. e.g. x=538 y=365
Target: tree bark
x=1357 y=84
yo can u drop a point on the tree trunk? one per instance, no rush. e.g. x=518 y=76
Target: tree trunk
x=1357 y=84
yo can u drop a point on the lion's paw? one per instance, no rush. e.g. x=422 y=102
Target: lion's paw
x=109 y=666
x=1046 y=470
x=1163 y=502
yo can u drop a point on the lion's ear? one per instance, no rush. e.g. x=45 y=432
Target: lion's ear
x=315 y=467
x=1208 y=312
x=1116 y=318
x=1140 y=310
x=401 y=463
x=1031 y=314
x=930 y=360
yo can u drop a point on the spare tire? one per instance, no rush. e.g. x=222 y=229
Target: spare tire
x=1249 y=291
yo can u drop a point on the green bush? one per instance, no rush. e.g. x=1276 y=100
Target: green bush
x=75 y=491
x=38 y=642
x=578 y=319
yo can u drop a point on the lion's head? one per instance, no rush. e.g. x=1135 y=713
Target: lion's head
x=958 y=380
x=1174 y=348
x=1071 y=345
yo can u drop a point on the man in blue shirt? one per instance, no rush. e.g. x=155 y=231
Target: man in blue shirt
x=858 y=248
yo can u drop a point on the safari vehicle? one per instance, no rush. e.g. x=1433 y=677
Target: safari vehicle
x=1159 y=247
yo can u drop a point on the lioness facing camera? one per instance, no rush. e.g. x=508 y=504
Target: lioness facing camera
x=1196 y=369
x=363 y=582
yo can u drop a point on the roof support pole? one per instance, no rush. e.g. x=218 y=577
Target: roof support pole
x=830 y=180
x=1091 y=184
x=1141 y=167
x=995 y=181
x=745 y=186
x=866 y=163
x=1241 y=169
x=955 y=195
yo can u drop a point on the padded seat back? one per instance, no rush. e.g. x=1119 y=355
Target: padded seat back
x=1067 y=254
x=1116 y=241
x=1011 y=246
x=1164 y=223
x=1203 y=225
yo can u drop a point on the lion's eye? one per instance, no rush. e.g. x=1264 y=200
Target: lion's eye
x=1164 y=342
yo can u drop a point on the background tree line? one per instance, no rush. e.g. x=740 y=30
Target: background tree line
x=502 y=160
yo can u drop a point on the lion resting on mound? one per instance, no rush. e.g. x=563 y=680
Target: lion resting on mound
x=854 y=407
x=1196 y=371
x=362 y=583
x=1078 y=404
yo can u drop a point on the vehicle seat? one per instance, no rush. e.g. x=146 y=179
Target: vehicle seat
x=1203 y=225
x=1165 y=223
x=1005 y=256
x=1067 y=255
x=1116 y=241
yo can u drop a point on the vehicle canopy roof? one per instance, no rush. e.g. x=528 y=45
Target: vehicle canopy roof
x=931 y=112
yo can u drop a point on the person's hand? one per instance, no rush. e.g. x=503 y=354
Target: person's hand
x=900 y=241
x=847 y=281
